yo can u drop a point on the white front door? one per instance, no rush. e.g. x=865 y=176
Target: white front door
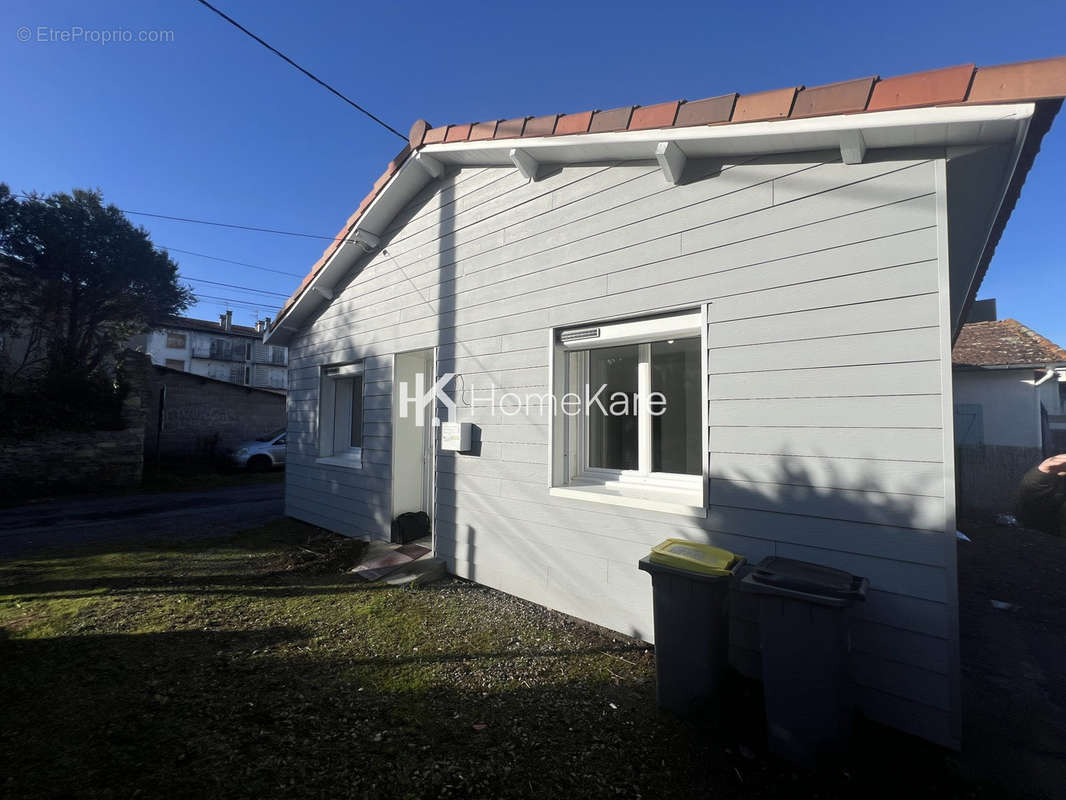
x=412 y=436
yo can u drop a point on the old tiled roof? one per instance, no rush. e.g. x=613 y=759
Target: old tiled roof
x=1002 y=343
x=190 y=324
x=961 y=85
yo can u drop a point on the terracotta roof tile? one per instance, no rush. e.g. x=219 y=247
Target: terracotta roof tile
x=418 y=133
x=1029 y=80
x=510 y=128
x=617 y=119
x=775 y=104
x=482 y=130
x=573 y=123
x=457 y=133
x=833 y=98
x=1004 y=342
x=540 y=126
x=658 y=116
x=935 y=87
x=706 y=112
x=435 y=135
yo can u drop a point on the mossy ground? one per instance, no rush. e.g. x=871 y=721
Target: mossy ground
x=249 y=668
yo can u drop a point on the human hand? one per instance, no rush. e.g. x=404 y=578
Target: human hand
x=1054 y=465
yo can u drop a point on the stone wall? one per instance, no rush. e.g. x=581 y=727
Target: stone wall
x=81 y=460
x=202 y=416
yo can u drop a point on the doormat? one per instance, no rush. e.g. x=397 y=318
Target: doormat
x=378 y=568
x=413 y=550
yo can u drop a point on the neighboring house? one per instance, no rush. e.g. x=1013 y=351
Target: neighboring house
x=219 y=350
x=1010 y=408
x=788 y=267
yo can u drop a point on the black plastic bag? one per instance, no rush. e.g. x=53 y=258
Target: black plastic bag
x=409 y=526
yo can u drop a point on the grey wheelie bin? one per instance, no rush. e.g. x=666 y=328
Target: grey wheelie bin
x=803 y=628
x=690 y=594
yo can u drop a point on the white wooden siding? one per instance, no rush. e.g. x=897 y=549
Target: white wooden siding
x=824 y=386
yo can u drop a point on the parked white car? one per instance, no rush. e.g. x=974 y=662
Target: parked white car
x=259 y=455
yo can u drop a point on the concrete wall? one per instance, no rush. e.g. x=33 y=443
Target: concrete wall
x=828 y=386
x=203 y=415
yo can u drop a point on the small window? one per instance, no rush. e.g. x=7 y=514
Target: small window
x=277 y=355
x=632 y=431
x=176 y=340
x=341 y=414
x=175 y=363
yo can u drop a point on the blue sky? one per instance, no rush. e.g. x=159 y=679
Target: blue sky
x=212 y=126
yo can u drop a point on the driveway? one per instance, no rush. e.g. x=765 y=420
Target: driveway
x=142 y=517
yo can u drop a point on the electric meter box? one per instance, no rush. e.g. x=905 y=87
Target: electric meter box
x=455 y=436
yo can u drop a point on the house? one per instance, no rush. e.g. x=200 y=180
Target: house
x=219 y=350
x=788 y=268
x=1010 y=407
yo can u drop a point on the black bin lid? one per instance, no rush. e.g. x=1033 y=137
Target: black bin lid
x=792 y=576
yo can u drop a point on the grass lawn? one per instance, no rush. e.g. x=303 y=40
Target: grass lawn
x=250 y=668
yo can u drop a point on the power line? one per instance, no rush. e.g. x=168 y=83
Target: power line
x=230 y=301
x=223 y=225
x=232 y=286
x=229 y=261
x=232 y=225
x=310 y=75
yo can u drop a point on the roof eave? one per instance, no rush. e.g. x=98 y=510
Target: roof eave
x=916 y=127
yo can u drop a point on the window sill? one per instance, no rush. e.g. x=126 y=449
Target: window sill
x=350 y=462
x=666 y=501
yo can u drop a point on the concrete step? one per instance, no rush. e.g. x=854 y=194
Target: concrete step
x=418 y=573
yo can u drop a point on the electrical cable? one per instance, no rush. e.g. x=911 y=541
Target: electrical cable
x=310 y=75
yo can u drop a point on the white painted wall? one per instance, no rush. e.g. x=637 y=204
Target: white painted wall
x=1009 y=401
x=832 y=275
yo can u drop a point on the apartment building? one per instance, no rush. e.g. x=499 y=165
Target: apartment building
x=219 y=350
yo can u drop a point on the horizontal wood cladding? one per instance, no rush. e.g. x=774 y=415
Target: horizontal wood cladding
x=823 y=386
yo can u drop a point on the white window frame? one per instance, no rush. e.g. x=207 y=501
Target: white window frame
x=643 y=487
x=328 y=453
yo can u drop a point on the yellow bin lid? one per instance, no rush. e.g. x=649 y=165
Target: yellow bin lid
x=695 y=557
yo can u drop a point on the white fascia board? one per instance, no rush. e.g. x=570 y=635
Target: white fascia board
x=408 y=181
x=916 y=127
x=792 y=135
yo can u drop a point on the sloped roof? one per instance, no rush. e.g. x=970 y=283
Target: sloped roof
x=1004 y=342
x=965 y=84
x=188 y=323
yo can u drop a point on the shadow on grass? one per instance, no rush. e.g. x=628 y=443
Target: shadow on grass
x=268 y=712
